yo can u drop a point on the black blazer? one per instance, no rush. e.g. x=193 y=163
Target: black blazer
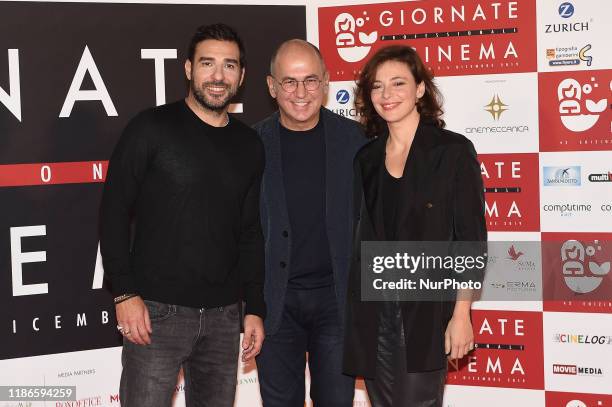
x=343 y=138
x=441 y=199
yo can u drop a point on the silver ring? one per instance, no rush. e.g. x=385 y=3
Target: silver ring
x=120 y=328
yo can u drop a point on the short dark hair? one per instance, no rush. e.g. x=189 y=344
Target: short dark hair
x=219 y=32
x=429 y=105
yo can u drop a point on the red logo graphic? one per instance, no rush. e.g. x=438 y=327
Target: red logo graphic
x=575 y=110
x=513 y=255
x=466 y=38
x=576 y=272
x=562 y=399
x=511 y=191
x=508 y=352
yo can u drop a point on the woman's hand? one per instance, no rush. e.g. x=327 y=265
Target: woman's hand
x=459 y=336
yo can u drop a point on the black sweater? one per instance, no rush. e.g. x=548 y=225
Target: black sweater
x=192 y=191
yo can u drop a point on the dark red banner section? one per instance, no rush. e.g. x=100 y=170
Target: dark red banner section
x=453 y=38
x=83 y=172
x=509 y=352
x=511 y=191
x=563 y=399
x=575 y=110
x=576 y=272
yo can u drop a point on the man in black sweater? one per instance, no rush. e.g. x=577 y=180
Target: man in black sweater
x=189 y=177
x=307 y=224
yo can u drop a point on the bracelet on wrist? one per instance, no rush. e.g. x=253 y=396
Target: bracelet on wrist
x=124 y=297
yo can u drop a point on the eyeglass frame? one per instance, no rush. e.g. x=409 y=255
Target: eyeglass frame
x=297 y=83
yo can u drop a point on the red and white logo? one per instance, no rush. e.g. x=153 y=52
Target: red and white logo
x=577 y=111
x=353 y=44
x=508 y=351
x=574 y=110
x=511 y=191
x=576 y=271
x=473 y=37
x=564 y=399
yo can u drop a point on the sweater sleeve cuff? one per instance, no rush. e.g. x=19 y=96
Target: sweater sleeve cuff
x=123 y=284
x=255 y=304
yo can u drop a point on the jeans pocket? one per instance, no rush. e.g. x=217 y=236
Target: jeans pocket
x=158 y=311
x=232 y=311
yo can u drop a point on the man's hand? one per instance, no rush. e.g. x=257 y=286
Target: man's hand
x=133 y=316
x=459 y=337
x=253 y=337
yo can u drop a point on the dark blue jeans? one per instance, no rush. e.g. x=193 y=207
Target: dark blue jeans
x=205 y=342
x=310 y=324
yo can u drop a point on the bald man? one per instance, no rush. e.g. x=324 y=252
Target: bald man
x=307 y=222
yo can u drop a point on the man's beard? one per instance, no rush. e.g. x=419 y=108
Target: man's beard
x=214 y=104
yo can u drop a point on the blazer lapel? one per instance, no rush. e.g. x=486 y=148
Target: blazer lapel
x=274 y=182
x=372 y=172
x=415 y=178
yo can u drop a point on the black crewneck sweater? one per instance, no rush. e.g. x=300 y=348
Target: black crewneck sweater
x=193 y=191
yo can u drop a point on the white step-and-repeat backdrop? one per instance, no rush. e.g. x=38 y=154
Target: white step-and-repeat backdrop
x=529 y=82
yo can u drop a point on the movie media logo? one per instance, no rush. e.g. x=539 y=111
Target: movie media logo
x=562 y=176
x=574 y=257
x=570 y=93
x=577 y=370
x=582 y=339
x=566 y=56
x=604 y=177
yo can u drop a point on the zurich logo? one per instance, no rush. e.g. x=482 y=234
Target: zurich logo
x=342 y=96
x=566 y=10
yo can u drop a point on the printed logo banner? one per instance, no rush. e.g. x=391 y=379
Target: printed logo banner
x=575 y=113
x=508 y=351
x=493 y=111
x=572 y=35
x=511 y=191
x=467 y=38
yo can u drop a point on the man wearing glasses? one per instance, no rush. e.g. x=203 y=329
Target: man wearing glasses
x=306 y=218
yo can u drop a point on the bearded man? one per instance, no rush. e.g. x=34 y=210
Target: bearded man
x=188 y=176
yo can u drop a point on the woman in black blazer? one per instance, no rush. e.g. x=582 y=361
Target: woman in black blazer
x=415 y=181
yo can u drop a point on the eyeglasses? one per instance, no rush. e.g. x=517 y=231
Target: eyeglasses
x=291 y=85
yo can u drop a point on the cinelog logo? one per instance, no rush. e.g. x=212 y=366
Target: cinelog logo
x=583 y=339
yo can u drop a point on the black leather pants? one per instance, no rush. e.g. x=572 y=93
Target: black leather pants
x=393 y=386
